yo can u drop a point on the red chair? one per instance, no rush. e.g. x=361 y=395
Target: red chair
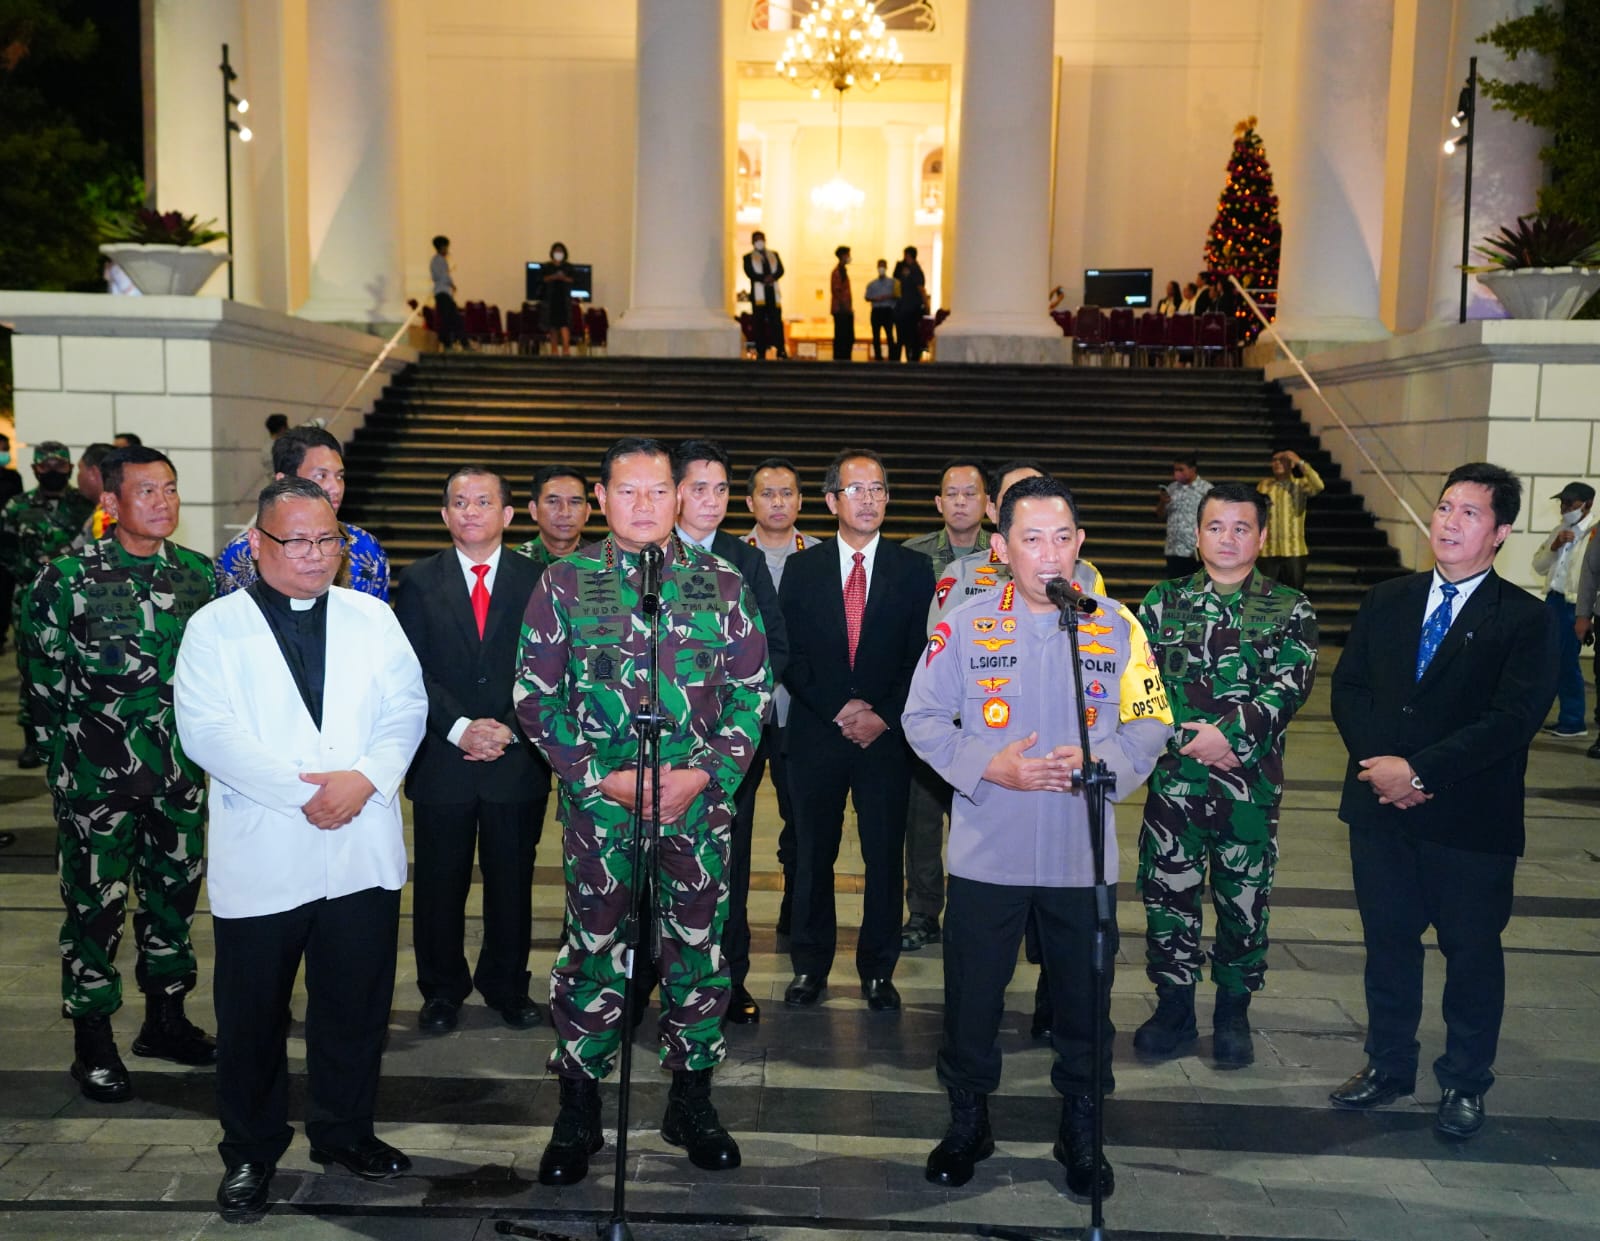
x=1121 y=334
x=1089 y=335
x=1151 y=336
x=1213 y=339
x=1181 y=338
x=597 y=325
x=475 y=322
x=747 y=329
x=496 y=328
x=1063 y=320
x=575 y=322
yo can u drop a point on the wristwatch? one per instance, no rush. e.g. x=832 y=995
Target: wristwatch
x=1416 y=783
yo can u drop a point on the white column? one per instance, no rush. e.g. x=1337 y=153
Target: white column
x=901 y=177
x=1000 y=297
x=777 y=187
x=1330 y=185
x=680 y=287
x=1506 y=173
x=353 y=156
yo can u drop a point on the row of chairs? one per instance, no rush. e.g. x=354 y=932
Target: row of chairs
x=1150 y=339
x=520 y=331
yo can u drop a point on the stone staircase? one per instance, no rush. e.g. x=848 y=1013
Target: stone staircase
x=1110 y=432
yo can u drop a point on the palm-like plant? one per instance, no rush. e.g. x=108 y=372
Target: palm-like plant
x=157 y=228
x=1541 y=241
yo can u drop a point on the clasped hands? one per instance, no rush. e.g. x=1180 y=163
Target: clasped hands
x=485 y=740
x=1390 y=778
x=679 y=787
x=858 y=722
x=338 y=799
x=1209 y=746
x=1048 y=773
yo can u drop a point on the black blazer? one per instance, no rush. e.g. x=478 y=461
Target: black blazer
x=1465 y=727
x=752 y=566
x=468 y=677
x=893 y=636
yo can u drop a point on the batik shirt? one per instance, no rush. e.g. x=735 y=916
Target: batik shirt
x=366 y=567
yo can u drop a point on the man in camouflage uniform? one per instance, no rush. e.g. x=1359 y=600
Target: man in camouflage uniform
x=35 y=528
x=99 y=630
x=963 y=493
x=582 y=679
x=560 y=510
x=1237 y=652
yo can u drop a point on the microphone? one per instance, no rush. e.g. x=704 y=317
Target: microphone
x=1067 y=594
x=650 y=588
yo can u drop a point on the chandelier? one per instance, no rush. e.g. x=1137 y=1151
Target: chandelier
x=840 y=44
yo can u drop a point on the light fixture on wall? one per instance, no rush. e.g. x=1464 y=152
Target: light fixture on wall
x=1461 y=125
x=231 y=103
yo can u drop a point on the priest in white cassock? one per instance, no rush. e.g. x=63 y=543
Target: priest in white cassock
x=305 y=704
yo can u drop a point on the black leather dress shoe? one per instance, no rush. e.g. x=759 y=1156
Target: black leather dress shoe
x=372 y=1159
x=243 y=1193
x=742 y=1008
x=520 y=1014
x=1370 y=1088
x=881 y=995
x=805 y=990
x=1460 y=1114
x=438 y=1017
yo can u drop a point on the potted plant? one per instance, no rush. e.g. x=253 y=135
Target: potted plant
x=162 y=252
x=1543 y=267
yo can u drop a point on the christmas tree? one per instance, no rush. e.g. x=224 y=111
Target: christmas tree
x=1245 y=236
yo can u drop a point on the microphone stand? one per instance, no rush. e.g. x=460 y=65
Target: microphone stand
x=1097 y=780
x=648 y=722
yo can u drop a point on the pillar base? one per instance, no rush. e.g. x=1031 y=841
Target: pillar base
x=998 y=348
x=658 y=334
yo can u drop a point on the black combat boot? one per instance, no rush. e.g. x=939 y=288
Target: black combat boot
x=967 y=1141
x=1230 y=1030
x=1043 y=1016
x=169 y=1035
x=97 y=1068
x=576 y=1135
x=691 y=1122
x=1172 y=1027
x=1074 y=1149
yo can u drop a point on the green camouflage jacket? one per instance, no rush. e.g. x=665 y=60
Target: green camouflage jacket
x=535 y=550
x=936 y=547
x=583 y=675
x=1243 y=662
x=35 y=528
x=100 y=632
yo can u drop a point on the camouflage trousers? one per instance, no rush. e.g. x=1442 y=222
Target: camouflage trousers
x=586 y=983
x=154 y=843
x=1180 y=841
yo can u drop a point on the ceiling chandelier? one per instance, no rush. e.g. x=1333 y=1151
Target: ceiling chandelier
x=840 y=44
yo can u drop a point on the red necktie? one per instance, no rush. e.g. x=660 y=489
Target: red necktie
x=855 y=603
x=480 y=597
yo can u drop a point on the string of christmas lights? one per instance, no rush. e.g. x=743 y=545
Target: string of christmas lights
x=1245 y=237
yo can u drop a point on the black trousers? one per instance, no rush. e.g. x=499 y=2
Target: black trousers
x=983 y=927
x=1402 y=887
x=348 y=945
x=452 y=331
x=907 y=336
x=877 y=780
x=883 y=329
x=505 y=837
x=1290 y=570
x=769 y=327
x=844 y=335
x=736 y=931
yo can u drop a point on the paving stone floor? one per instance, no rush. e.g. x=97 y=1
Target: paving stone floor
x=836 y=1108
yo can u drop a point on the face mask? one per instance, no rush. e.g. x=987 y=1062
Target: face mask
x=761 y=247
x=5 y=458
x=1572 y=518
x=560 y=256
x=882 y=270
x=53 y=482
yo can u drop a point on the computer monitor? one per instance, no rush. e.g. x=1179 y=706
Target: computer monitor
x=1118 y=286
x=582 y=281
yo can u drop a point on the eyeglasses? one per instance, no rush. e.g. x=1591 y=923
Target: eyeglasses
x=301 y=549
x=874 y=491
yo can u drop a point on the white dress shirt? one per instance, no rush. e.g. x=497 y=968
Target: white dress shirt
x=467 y=562
x=1464 y=589
x=847 y=560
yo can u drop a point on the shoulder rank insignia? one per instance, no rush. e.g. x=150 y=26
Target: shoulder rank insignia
x=1008 y=596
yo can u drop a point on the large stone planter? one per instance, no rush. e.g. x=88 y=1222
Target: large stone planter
x=1542 y=292
x=179 y=270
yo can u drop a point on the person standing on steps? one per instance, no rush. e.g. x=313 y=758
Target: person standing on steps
x=1237 y=652
x=764 y=268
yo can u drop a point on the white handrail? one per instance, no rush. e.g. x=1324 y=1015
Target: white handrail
x=1268 y=326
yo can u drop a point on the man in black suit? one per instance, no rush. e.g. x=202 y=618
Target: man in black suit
x=701 y=470
x=856 y=608
x=475 y=780
x=1444 y=681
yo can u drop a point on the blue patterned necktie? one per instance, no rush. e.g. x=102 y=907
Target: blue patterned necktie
x=1435 y=627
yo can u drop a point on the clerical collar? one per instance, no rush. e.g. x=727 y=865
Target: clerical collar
x=286 y=603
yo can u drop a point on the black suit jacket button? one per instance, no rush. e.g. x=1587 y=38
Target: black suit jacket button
x=1408 y=710
x=483 y=680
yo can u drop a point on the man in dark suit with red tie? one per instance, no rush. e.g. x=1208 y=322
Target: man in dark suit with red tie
x=1444 y=681
x=475 y=780
x=856 y=610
